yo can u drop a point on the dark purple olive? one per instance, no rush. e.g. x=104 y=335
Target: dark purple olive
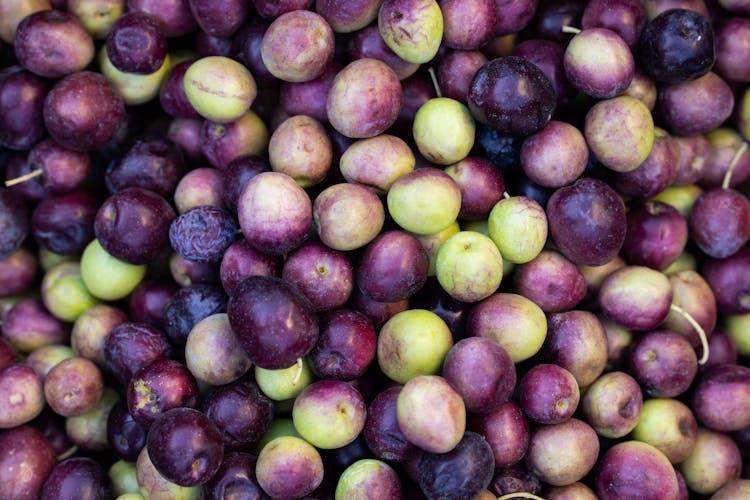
x=136 y=44
x=676 y=46
x=185 y=446
x=77 y=477
x=494 y=98
x=273 y=321
x=133 y=225
x=151 y=163
x=125 y=436
x=64 y=224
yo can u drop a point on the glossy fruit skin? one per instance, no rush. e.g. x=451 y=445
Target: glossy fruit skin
x=185 y=446
x=133 y=225
x=676 y=46
x=155 y=389
x=74 y=476
x=83 y=111
x=587 y=221
x=490 y=96
x=273 y=339
x=136 y=44
x=236 y=476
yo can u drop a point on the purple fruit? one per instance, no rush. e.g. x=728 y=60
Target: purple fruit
x=632 y=469
x=185 y=446
x=29 y=325
x=656 y=235
x=548 y=394
x=696 y=106
x=664 y=363
x=273 y=321
x=22 y=96
x=587 y=221
x=73 y=45
x=241 y=260
x=148 y=302
x=132 y=346
x=323 y=275
x=275 y=213
x=133 y=225
x=236 y=476
x=220 y=19
x=14 y=222
x=481 y=372
x=136 y=44
x=393 y=267
x=155 y=389
x=241 y=413
x=190 y=305
x=463 y=472
x=23 y=395
x=720 y=222
x=74 y=476
x=25 y=449
x=83 y=111
x=64 y=224
x=636 y=297
x=150 y=163
x=73 y=387
x=729 y=278
x=507 y=431
x=174 y=18
x=382 y=433
x=456 y=70
x=125 y=436
x=576 y=341
x=345 y=347
x=522 y=115
x=203 y=233
x=599 y=63
x=625 y=17
x=17 y=272
x=677 y=46
x=720 y=398
x=551 y=281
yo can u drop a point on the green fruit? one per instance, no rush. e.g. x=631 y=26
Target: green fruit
x=285 y=383
x=444 y=130
x=412 y=29
x=413 y=342
x=63 y=292
x=469 y=266
x=518 y=226
x=219 y=88
x=107 y=277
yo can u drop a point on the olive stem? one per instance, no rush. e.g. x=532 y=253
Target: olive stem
x=698 y=328
x=520 y=494
x=23 y=178
x=431 y=71
x=298 y=375
x=571 y=29
x=506 y=195
x=735 y=160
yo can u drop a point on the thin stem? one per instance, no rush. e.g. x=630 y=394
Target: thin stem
x=521 y=494
x=431 y=71
x=571 y=29
x=735 y=160
x=23 y=178
x=506 y=195
x=698 y=328
x=298 y=375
